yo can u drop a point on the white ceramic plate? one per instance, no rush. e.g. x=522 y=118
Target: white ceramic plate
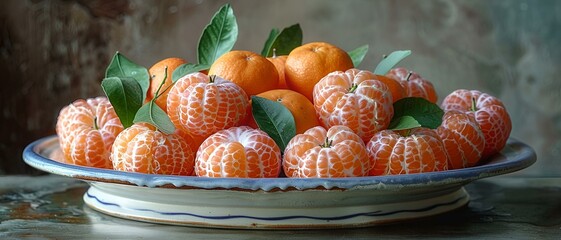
x=276 y=202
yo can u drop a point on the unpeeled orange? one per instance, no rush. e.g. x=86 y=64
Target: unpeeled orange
x=307 y=64
x=157 y=74
x=252 y=72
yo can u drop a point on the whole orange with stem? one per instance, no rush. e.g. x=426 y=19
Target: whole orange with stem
x=488 y=111
x=307 y=64
x=142 y=148
x=320 y=153
x=355 y=99
x=162 y=72
x=301 y=108
x=86 y=130
x=241 y=152
x=413 y=84
x=415 y=150
x=202 y=105
x=252 y=72
x=462 y=138
x=279 y=62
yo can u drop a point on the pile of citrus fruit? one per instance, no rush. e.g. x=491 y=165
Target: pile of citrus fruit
x=295 y=110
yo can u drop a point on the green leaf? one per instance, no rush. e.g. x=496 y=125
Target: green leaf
x=219 y=36
x=358 y=54
x=272 y=36
x=151 y=113
x=283 y=43
x=390 y=61
x=275 y=119
x=404 y=122
x=121 y=67
x=187 y=68
x=125 y=94
x=412 y=112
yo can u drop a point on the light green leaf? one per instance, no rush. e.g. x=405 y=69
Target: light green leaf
x=283 y=43
x=122 y=67
x=272 y=36
x=274 y=119
x=125 y=95
x=151 y=113
x=404 y=122
x=412 y=112
x=187 y=68
x=391 y=61
x=358 y=54
x=219 y=36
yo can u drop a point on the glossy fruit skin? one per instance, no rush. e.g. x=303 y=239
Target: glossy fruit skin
x=157 y=75
x=301 y=108
x=462 y=138
x=143 y=149
x=307 y=64
x=202 y=106
x=86 y=129
x=252 y=72
x=279 y=62
x=413 y=84
x=489 y=112
x=320 y=153
x=397 y=90
x=240 y=152
x=421 y=150
x=355 y=99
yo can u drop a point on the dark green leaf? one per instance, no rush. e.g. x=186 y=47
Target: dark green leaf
x=272 y=36
x=121 y=67
x=358 y=54
x=187 y=68
x=151 y=113
x=219 y=36
x=288 y=39
x=390 y=61
x=125 y=94
x=275 y=119
x=414 y=112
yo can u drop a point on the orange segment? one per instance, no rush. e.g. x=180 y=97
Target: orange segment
x=321 y=153
x=462 y=138
x=413 y=84
x=420 y=151
x=141 y=148
x=398 y=92
x=354 y=99
x=86 y=131
x=238 y=152
x=202 y=106
x=489 y=112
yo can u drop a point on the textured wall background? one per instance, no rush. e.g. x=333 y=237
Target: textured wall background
x=53 y=52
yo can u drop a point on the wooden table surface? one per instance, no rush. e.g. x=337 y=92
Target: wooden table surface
x=506 y=207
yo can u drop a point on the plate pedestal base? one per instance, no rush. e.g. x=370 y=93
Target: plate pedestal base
x=269 y=210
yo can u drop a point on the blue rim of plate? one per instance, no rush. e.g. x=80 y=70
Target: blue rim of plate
x=515 y=156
